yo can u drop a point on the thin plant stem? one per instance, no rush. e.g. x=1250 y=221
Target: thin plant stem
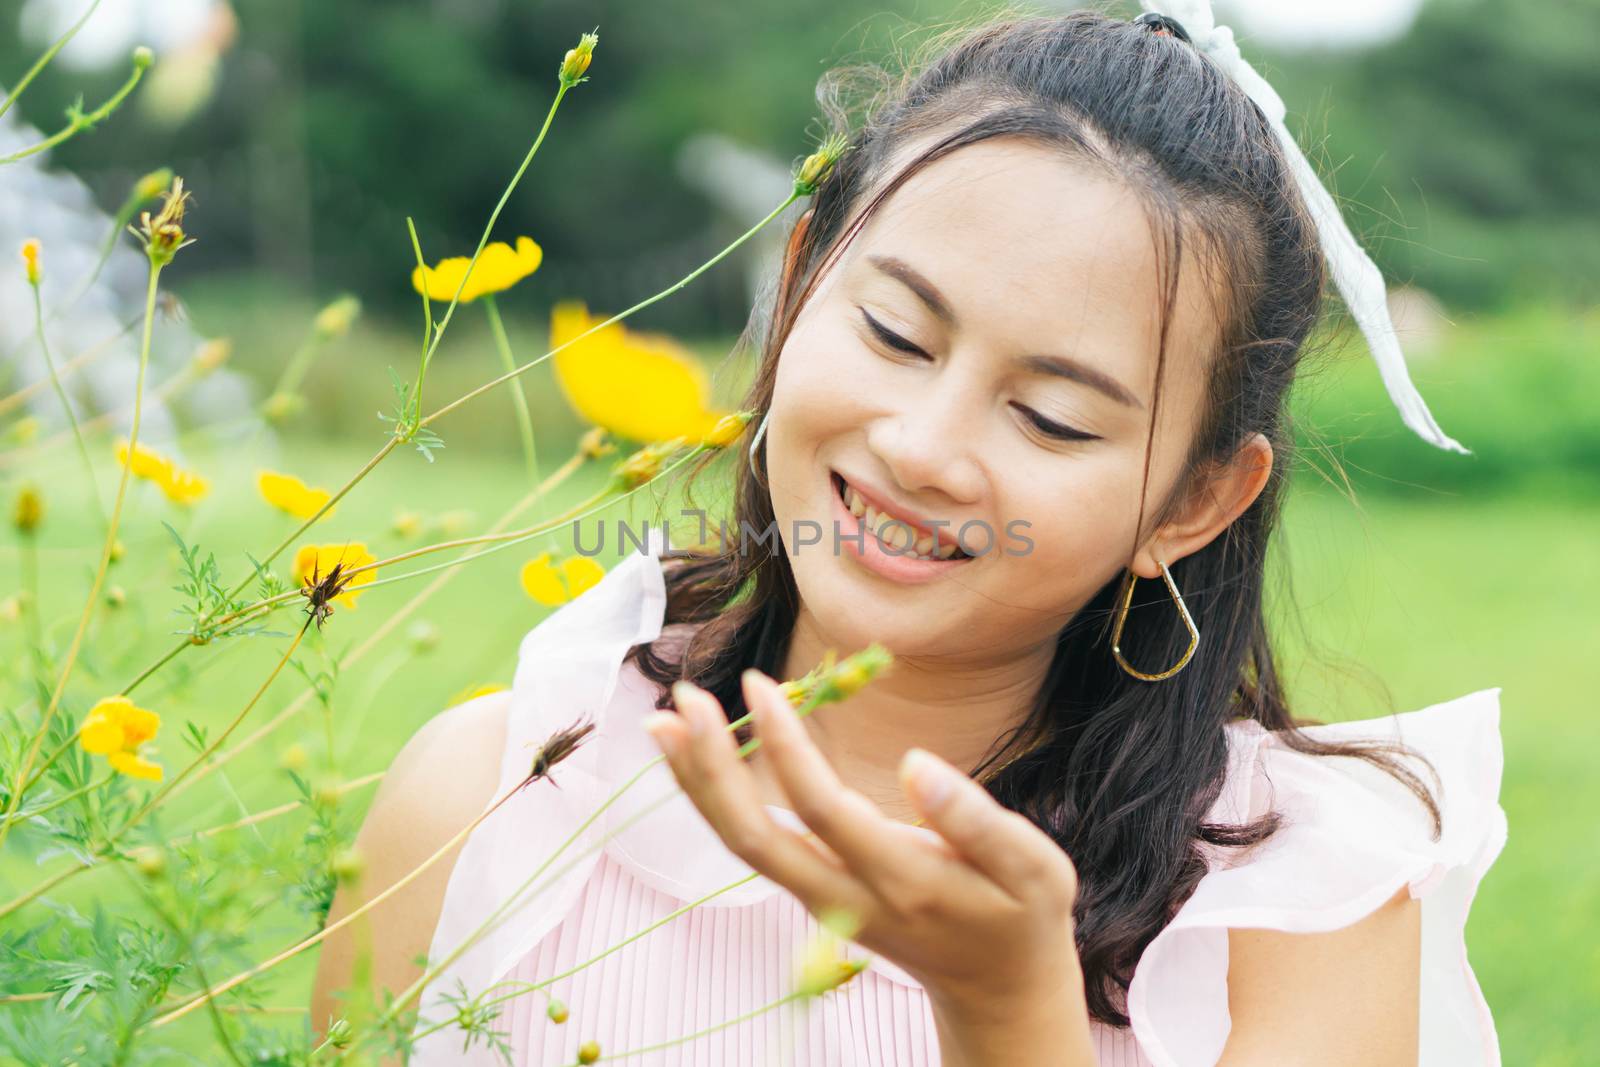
x=105 y=556
x=16 y=399
x=44 y=60
x=66 y=403
x=64 y=798
x=80 y=122
x=618 y=317
x=519 y=398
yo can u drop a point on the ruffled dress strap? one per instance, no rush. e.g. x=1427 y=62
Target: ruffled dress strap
x=1352 y=837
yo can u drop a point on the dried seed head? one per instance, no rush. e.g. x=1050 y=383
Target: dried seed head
x=557 y=747
x=163 y=234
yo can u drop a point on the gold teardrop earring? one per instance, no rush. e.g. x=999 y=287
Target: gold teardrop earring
x=1122 y=617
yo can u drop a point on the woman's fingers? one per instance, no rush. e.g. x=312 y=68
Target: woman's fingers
x=844 y=820
x=1015 y=854
x=705 y=760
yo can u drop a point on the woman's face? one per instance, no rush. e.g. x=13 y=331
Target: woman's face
x=980 y=361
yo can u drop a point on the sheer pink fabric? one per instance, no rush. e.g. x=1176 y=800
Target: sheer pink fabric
x=1353 y=838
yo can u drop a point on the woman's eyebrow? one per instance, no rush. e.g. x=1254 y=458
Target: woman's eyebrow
x=1059 y=366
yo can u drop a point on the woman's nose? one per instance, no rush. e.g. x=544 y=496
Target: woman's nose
x=928 y=446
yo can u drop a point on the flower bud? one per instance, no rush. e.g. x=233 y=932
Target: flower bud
x=29 y=512
x=644 y=464
x=336 y=319
x=116 y=596
x=407 y=524
x=280 y=406
x=30 y=259
x=150 y=186
x=24 y=431
x=340 y=1033
x=818 y=166
x=294 y=758
x=143 y=57
x=423 y=636
x=118 y=549
x=576 y=61
x=588 y=1052
x=727 y=429
x=347 y=865
x=213 y=354
x=557 y=1011
x=152 y=863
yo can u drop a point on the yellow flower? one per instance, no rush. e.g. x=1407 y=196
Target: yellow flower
x=323 y=558
x=288 y=493
x=147 y=462
x=727 y=429
x=498 y=269
x=30 y=259
x=115 y=728
x=183 y=487
x=553 y=584
x=640 y=386
x=576 y=61
x=212 y=354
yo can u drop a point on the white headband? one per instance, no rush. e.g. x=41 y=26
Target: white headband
x=1357 y=277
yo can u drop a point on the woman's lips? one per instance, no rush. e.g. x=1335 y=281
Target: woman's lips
x=862 y=544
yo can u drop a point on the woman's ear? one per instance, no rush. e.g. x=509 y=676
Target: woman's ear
x=791 y=261
x=1219 y=498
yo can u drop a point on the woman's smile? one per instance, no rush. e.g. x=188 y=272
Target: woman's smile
x=882 y=541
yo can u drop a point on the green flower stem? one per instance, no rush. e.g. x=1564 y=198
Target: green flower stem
x=66 y=403
x=438 y=331
x=640 y=306
x=44 y=60
x=713 y=1028
x=105 y=559
x=21 y=396
x=519 y=398
x=62 y=799
x=79 y=121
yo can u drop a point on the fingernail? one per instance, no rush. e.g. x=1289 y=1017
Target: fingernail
x=685 y=696
x=929 y=777
x=655 y=725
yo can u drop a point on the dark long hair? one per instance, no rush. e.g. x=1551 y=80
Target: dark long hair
x=1121 y=772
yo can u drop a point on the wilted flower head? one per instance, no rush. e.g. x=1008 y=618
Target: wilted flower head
x=557 y=747
x=596 y=443
x=30 y=259
x=163 y=235
x=818 y=166
x=116 y=728
x=576 y=61
x=499 y=267
x=336 y=319
x=29 y=512
x=289 y=494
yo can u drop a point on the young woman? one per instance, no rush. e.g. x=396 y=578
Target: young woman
x=1033 y=341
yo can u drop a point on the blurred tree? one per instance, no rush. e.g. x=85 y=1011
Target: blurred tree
x=1465 y=149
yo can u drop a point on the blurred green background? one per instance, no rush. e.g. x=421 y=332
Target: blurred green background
x=1463 y=145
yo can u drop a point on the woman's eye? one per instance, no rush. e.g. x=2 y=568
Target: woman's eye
x=1057 y=430
x=889 y=337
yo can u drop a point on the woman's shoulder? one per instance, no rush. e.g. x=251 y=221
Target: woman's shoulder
x=1353 y=840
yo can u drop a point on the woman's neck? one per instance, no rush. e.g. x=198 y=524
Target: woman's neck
x=958 y=711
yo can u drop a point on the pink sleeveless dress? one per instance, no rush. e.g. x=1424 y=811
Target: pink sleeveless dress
x=1352 y=839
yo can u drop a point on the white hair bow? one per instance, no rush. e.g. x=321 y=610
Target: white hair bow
x=1358 y=279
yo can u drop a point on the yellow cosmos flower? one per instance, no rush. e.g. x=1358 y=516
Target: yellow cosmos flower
x=323 y=558
x=642 y=386
x=288 y=493
x=147 y=462
x=30 y=259
x=115 y=728
x=184 y=487
x=499 y=267
x=556 y=583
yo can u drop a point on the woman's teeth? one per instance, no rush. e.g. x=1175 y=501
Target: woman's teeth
x=895 y=533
